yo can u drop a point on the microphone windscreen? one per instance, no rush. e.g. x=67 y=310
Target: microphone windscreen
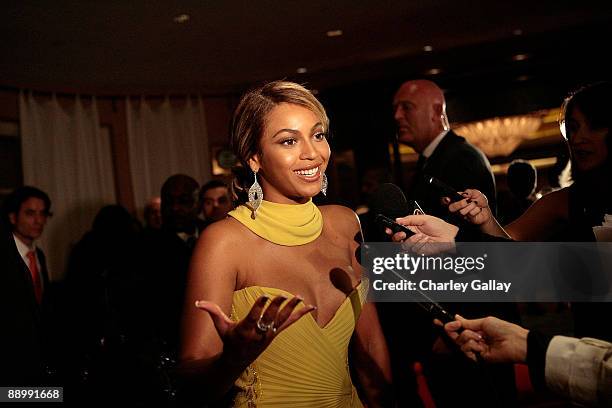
x=389 y=200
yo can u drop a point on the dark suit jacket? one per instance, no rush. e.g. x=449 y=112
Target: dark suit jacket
x=167 y=260
x=460 y=165
x=21 y=345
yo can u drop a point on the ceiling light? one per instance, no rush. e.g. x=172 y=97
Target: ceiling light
x=500 y=136
x=522 y=78
x=520 y=57
x=517 y=32
x=428 y=48
x=181 y=18
x=301 y=70
x=433 y=71
x=334 y=33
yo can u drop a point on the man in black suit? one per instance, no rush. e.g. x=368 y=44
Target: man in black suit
x=24 y=280
x=168 y=253
x=420 y=115
x=27 y=210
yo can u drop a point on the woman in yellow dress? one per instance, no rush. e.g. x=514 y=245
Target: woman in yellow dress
x=278 y=278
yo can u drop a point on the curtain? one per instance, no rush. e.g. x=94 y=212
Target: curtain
x=66 y=154
x=165 y=138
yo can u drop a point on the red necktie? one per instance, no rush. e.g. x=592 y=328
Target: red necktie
x=33 y=266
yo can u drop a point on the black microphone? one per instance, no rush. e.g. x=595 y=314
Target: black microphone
x=389 y=203
x=443 y=189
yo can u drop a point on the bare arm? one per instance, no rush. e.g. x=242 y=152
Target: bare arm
x=212 y=276
x=215 y=349
x=475 y=209
x=534 y=225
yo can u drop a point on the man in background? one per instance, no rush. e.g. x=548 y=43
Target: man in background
x=23 y=279
x=152 y=214
x=167 y=256
x=215 y=199
x=420 y=115
x=27 y=210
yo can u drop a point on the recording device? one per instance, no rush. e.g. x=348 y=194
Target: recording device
x=435 y=310
x=438 y=312
x=392 y=225
x=443 y=189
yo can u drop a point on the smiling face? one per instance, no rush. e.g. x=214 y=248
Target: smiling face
x=293 y=154
x=589 y=148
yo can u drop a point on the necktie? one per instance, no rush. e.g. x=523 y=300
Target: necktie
x=421 y=163
x=33 y=266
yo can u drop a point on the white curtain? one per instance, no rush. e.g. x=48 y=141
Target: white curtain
x=66 y=155
x=165 y=138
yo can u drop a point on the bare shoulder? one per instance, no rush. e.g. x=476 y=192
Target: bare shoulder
x=557 y=196
x=221 y=240
x=221 y=233
x=217 y=262
x=342 y=219
x=555 y=202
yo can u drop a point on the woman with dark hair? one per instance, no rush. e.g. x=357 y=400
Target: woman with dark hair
x=571 y=213
x=567 y=214
x=278 y=278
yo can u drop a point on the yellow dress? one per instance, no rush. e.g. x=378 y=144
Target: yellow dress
x=306 y=365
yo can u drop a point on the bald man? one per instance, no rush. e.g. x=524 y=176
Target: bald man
x=420 y=115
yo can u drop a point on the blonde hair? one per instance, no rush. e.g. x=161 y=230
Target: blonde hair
x=249 y=121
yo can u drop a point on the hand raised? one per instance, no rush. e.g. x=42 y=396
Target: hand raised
x=474 y=207
x=245 y=340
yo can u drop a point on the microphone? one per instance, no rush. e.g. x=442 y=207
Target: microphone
x=443 y=189
x=390 y=201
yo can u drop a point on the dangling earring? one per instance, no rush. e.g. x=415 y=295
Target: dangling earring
x=255 y=196
x=324 y=185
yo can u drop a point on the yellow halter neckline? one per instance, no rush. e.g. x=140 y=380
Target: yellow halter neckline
x=282 y=224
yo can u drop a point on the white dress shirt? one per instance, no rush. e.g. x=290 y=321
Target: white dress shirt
x=431 y=147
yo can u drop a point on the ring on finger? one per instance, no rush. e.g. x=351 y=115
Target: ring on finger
x=264 y=327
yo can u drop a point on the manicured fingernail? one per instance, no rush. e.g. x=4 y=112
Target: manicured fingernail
x=198 y=303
